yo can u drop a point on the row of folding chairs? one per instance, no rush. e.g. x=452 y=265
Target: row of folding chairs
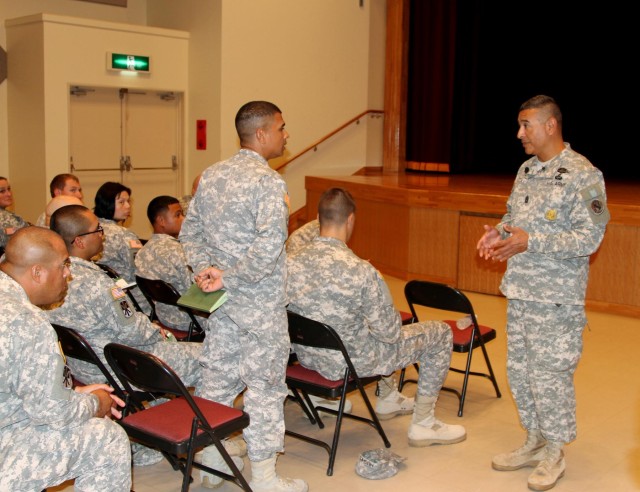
x=184 y=423
x=159 y=291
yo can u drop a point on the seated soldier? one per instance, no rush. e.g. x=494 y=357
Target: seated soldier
x=327 y=282
x=67 y=185
x=57 y=202
x=9 y=221
x=162 y=257
x=100 y=310
x=49 y=433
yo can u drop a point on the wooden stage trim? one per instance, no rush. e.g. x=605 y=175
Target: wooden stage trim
x=413 y=225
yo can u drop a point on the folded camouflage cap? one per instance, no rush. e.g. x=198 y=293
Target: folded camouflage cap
x=377 y=464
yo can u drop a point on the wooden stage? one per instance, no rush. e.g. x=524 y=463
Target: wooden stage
x=414 y=225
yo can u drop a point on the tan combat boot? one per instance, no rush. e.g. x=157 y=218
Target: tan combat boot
x=426 y=429
x=265 y=479
x=550 y=469
x=528 y=454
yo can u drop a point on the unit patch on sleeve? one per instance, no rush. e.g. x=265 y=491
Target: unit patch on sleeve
x=593 y=198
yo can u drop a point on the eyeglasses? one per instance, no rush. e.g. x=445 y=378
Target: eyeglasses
x=99 y=229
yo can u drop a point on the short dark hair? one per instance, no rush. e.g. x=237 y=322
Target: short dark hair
x=69 y=222
x=254 y=115
x=58 y=182
x=547 y=103
x=105 y=201
x=159 y=205
x=335 y=206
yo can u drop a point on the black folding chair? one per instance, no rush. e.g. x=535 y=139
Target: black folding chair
x=179 y=425
x=159 y=291
x=76 y=346
x=302 y=381
x=446 y=298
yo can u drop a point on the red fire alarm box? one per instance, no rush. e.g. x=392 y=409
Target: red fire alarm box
x=201 y=134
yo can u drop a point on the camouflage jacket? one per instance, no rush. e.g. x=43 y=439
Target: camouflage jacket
x=162 y=258
x=303 y=236
x=327 y=282
x=237 y=221
x=120 y=248
x=562 y=205
x=101 y=312
x=7 y=220
x=32 y=390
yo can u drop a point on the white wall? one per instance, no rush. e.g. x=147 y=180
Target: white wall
x=321 y=61
x=134 y=13
x=52 y=53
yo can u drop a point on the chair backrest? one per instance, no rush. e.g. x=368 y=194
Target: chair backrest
x=109 y=271
x=438 y=296
x=306 y=331
x=75 y=345
x=311 y=333
x=158 y=291
x=146 y=371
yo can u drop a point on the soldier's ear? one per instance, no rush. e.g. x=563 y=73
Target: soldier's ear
x=36 y=273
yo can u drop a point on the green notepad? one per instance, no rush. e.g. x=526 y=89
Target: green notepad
x=208 y=302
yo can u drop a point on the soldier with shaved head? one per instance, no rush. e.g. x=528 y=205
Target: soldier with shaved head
x=49 y=433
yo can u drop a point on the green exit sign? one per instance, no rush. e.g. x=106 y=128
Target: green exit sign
x=129 y=63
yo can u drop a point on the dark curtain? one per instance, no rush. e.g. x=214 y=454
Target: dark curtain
x=431 y=69
x=503 y=53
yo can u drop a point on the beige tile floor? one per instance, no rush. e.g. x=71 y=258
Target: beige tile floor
x=605 y=457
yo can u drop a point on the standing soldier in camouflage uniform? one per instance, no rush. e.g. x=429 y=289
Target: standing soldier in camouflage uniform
x=234 y=238
x=121 y=245
x=327 y=282
x=556 y=218
x=303 y=236
x=100 y=310
x=49 y=433
x=9 y=222
x=162 y=257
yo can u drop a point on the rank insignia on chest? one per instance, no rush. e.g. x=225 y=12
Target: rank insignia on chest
x=551 y=214
x=117 y=293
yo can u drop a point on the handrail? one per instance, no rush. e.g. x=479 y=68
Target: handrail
x=328 y=136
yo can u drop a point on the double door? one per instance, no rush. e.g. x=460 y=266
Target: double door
x=129 y=136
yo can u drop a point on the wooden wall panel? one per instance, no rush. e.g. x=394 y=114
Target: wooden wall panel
x=432 y=245
x=474 y=273
x=615 y=268
x=412 y=229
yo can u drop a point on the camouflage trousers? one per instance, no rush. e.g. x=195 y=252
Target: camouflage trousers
x=182 y=357
x=544 y=347
x=234 y=359
x=427 y=343
x=96 y=453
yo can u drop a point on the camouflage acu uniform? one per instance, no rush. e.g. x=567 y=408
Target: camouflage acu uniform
x=162 y=258
x=47 y=432
x=100 y=311
x=42 y=220
x=303 y=236
x=120 y=248
x=562 y=205
x=185 y=201
x=9 y=219
x=238 y=222
x=327 y=282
